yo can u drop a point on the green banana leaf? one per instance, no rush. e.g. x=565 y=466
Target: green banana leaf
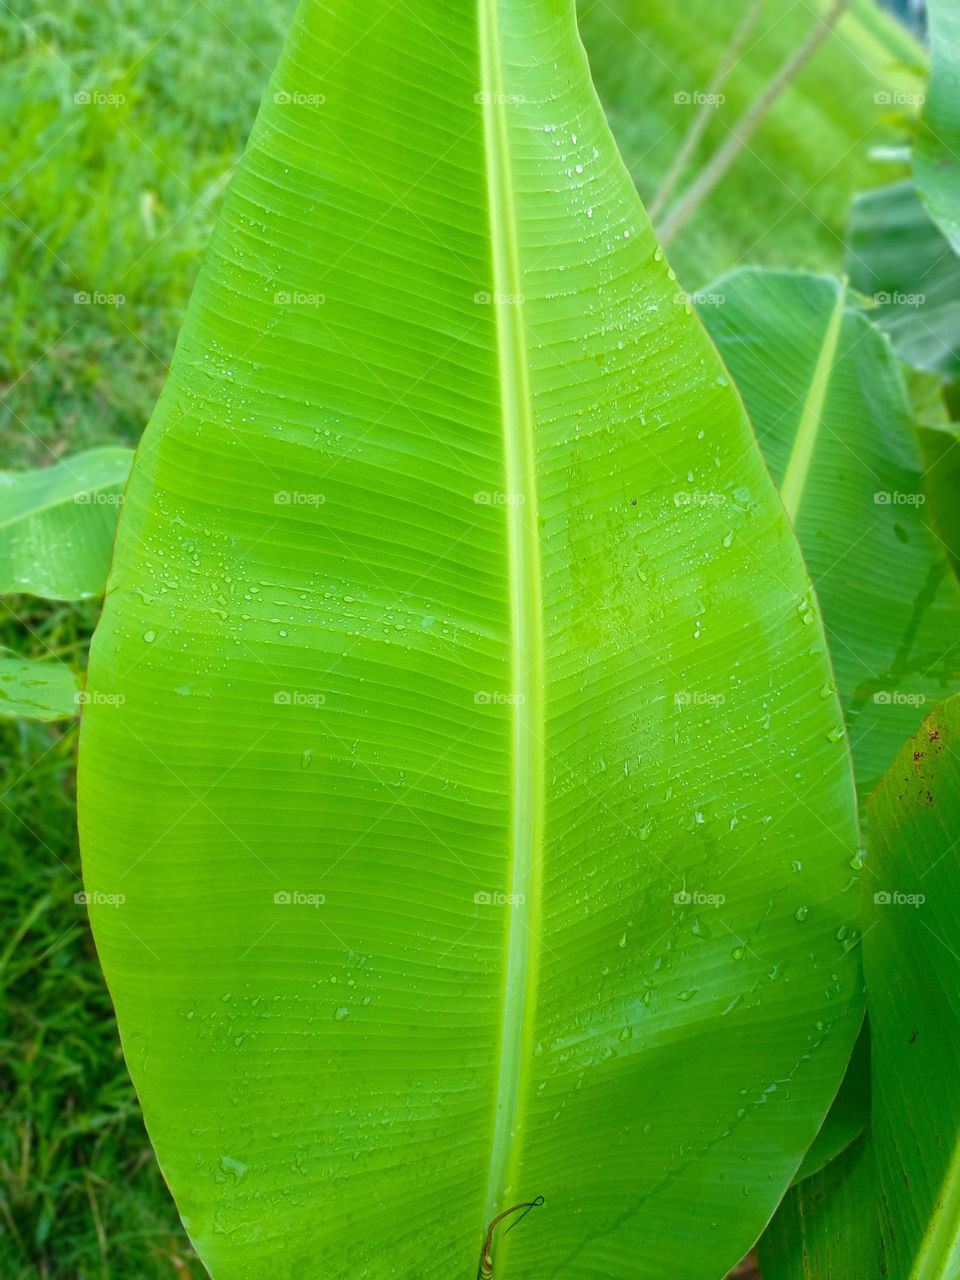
x=480 y=808
x=940 y=445
x=936 y=161
x=827 y=1228
x=897 y=256
x=888 y=1206
x=787 y=198
x=848 y=1116
x=826 y=398
x=37 y=689
x=913 y=976
x=57 y=524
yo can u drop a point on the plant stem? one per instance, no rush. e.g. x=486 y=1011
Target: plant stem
x=745 y=127
x=702 y=116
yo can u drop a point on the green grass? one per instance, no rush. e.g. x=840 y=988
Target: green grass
x=116 y=199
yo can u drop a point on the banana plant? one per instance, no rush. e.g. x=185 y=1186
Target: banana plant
x=937 y=151
x=56 y=536
x=888 y=1206
x=898 y=257
x=467 y=841
x=827 y=400
x=58 y=525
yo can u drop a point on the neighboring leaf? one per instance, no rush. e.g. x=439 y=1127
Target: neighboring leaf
x=913 y=982
x=57 y=524
x=937 y=149
x=827 y=1227
x=847 y=1117
x=940 y=446
x=827 y=402
x=481 y=823
x=37 y=690
x=787 y=198
x=897 y=255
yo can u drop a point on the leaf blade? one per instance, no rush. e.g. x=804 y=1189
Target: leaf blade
x=389 y=598
x=58 y=525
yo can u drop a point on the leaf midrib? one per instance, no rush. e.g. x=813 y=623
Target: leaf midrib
x=808 y=430
x=526 y=621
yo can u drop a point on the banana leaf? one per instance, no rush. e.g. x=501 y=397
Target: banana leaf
x=888 y=1205
x=913 y=976
x=827 y=1228
x=940 y=444
x=57 y=524
x=936 y=161
x=480 y=807
x=826 y=398
x=897 y=256
x=37 y=689
x=848 y=1116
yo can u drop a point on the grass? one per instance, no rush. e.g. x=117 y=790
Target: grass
x=110 y=197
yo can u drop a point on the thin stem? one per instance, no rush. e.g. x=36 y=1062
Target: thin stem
x=702 y=117
x=746 y=126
